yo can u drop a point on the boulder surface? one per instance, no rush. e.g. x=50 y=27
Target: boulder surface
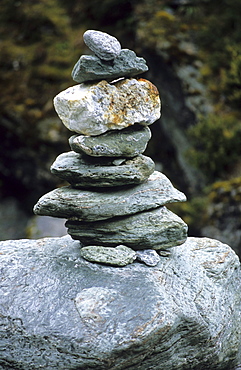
x=59 y=311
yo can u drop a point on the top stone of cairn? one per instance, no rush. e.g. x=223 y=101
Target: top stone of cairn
x=105 y=46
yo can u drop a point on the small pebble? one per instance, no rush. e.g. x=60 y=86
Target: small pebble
x=164 y=253
x=148 y=256
x=105 y=46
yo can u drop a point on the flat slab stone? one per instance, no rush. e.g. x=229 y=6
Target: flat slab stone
x=91 y=68
x=92 y=109
x=128 y=142
x=105 y=46
x=118 y=256
x=155 y=229
x=83 y=171
x=59 y=311
x=101 y=204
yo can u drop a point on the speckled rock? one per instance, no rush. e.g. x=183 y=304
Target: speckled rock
x=155 y=229
x=101 y=204
x=126 y=64
x=59 y=311
x=92 y=109
x=83 y=171
x=118 y=256
x=148 y=256
x=128 y=142
x=105 y=46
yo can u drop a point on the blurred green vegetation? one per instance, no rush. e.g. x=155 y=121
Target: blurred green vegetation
x=216 y=145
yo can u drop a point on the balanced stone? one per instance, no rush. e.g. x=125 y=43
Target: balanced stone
x=126 y=64
x=105 y=46
x=128 y=142
x=92 y=109
x=155 y=229
x=118 y=256
x=101 y=204
x=83 y=171
x=148 y=256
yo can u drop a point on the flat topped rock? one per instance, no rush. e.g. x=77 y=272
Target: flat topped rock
x=126 y=64
x=101 y=204
x=128 y=142
x=92 y=109
x=59 y=311
x=105 y=46
x=118 y=256
x=83 y=171
x=153 y=229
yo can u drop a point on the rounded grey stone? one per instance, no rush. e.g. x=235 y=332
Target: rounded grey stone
x=105 y=46
x=83 y=204
x=83 y=171
x=118 y=256
x=91 y=68
x=154 y=229
x=59 y=311
x=128 y=142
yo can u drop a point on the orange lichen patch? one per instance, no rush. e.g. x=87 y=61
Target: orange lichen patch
x=153 y=88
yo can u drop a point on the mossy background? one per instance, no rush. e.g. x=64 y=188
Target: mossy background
x=198 y=50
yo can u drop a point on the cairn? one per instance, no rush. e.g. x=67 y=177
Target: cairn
x=115 y=203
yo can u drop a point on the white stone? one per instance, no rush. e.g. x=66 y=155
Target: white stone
x=92 y=109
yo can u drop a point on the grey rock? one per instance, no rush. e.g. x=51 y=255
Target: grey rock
x=128 y=142
x=164 y=253
x=59 y=311
x=126 y=64
x=87 y=205
x=118 y=256
x=92 y=109
x=105 y=46
x=82 y=171
x=149 y=256
x=155 y=229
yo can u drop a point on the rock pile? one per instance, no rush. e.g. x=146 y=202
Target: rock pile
x=115 y=204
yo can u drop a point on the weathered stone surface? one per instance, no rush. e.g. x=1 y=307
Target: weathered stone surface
x=118 y=256
x=128 y=142
x=148 y=256
x=155 y=229
x=105 y=46
x=82 y=171
x=126 y=64
x=92 y=109
x=59 y=311
x=101 y=204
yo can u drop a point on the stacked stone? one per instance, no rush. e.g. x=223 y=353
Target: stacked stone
x=115 y=204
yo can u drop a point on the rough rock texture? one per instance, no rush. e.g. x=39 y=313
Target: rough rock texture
x=92 y=109
x=105 y=46
x=155 y=229
x=128 y=142
x=59 y=311
x=101 y=204
x=84 y=171
x=148 y=256
x=126 y=64
x=118 y=256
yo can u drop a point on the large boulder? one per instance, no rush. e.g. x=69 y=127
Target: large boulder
x=59 y=311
